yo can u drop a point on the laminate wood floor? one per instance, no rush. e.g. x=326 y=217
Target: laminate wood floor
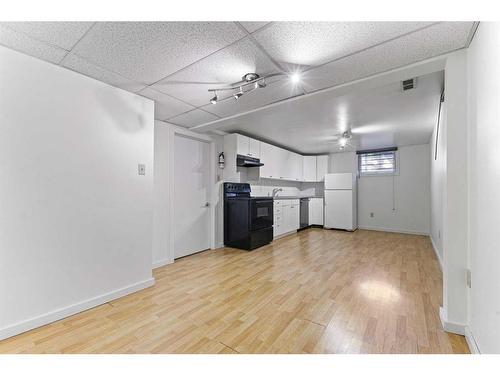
x=318 y=291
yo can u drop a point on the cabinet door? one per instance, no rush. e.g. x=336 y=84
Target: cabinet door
x=321 y=167
x=309 y=168
x=242 y=145
x=253 y=148
x=294 y=216
x=297 y=167
x=269 y=159
x=316 y=211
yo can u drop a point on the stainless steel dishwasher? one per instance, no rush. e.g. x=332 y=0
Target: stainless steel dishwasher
x=304 y=212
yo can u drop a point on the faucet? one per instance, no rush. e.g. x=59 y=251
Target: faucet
x=275 y=191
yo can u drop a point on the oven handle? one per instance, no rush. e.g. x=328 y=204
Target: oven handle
x=264 y=201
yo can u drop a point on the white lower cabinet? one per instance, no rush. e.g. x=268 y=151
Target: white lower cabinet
x=316 y=211
x=286 y=216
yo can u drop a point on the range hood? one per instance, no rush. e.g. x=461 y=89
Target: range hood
x=247 y=161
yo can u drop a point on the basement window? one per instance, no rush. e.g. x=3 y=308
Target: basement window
x=377 y=162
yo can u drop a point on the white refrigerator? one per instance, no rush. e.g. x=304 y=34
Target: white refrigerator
x=341 y=201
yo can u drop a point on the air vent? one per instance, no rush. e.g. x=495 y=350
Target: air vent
x=408 y=84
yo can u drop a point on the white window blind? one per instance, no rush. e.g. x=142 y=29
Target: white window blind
x=377 y=163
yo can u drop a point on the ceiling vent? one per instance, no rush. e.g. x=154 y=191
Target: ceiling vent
x=409 y=84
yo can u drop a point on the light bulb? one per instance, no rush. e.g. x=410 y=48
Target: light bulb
x=238 y=94
x=295 y=78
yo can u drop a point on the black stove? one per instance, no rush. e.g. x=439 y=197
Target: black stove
x=248 y=221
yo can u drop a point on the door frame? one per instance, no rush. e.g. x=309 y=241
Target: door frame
x=176 y=132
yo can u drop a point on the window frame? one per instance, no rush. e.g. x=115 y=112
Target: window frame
x=395 y=172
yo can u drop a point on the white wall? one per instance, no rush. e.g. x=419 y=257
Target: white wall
x=455 y=212
x=484 y=162
x=375 y=193
x=438 y=173
x=75 y=216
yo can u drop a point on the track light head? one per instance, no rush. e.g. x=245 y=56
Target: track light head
x=262 y=83
x=214 y=99
x=238 y=94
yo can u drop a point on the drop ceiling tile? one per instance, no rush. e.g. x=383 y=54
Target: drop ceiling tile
x=274 y=92
x=25 y=44
x=77 y=64
x=149 y=51
x=219 y=69
x=314 y=43
x=165 y=106
x=252 y=26
x=61 y=34
x=193 y=118
x=426 y=43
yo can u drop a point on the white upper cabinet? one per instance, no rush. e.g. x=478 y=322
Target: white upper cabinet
x=309 y=168
x=247 y=146
x=253 y=148
x=297 y=168
x=278 y=163
x=242 y=144
x=321 y=167
x=269 y=156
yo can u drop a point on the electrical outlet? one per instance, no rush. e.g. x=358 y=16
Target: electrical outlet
x=141 y=169
x=372 y=214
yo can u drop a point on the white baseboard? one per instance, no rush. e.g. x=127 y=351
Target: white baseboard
x=471 y=341
x=64 y=312
x=161 y=263
x=437 y=253
x=451 y=327
x=403 y=231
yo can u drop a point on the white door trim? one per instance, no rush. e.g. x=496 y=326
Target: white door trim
x=175 y=131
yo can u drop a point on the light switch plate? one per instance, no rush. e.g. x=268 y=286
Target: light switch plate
x=141 y=169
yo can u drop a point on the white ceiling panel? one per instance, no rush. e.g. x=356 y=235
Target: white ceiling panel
x=378 y=117
x=314 y=43
x=77 y=64
x=61 y=34
x=252 y=26
x=426 y=43
x=149 y=51
x=224 y=67
x=165 y=106
x=193 y=118
x=274 y=92
x=26 y=44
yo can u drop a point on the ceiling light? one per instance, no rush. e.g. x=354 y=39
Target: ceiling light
x=343 y=142
x=249 y=77
x=295 y=77
x=238 y=94
x=214 y=99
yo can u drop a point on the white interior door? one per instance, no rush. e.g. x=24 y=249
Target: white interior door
x=191 y=196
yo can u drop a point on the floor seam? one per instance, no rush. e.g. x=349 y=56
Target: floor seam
x=310 y=321
x=227 y=346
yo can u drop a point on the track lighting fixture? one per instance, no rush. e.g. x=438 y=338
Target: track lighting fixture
x=248 y=83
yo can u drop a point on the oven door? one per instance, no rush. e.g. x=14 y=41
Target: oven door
x=261 y=213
